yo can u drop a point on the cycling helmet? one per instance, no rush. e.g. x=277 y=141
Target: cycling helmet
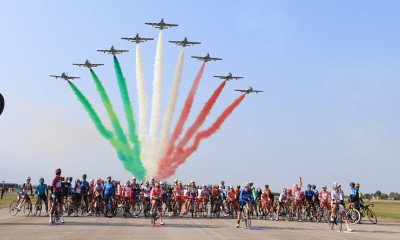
x=141 y=183
x=41 y=179
x=84 y=176
x=117 y=181
x=323 y=186
x=308 y=185
x=284 y=189
x=58 y=171
x=191 y=181
x=289 y=191
x=179 y=182
x=215 y=185
x=238 y=186
x=246 y=185
x=127 y=181
x=98 y=182
x=313 y=186
x=28 y=178
x=295 y=186
x=70 y=178
x=147 y=182
x=157 y=184
x=352 y=184
x=222 y=182
x=258 y=189
x=334 y=184
x=266 y=186
x=161 y=183
x=204 y=185
x=251 y=183
x=232 y=187
x=92 y=180
x=109 y=177
x=264 y=192
x=152 y=178
x=357 y=185
x=102 y=181
x=176 y=180
x=77 y=180
x=229 y=187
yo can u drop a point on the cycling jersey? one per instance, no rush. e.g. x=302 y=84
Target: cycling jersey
x=26 y=187
x=283 y=197
x=118 y=190
x=192 y=192
x=324 y=196
x=354 y=196
x=265 y=200
x=91 y=188
x=178 y=191
x=109 y=189
x=78 y=188
x=41 y=189
x=84 y=186
x=216 y=192
x=246 y=196
x=155 y=193
x=146 y=191
x=98 y=190
x=127 y=191
x=338 y=197
x=297 y=192
x=231 y=195
x=309 y=194
x=204 y=193
x=56 y=184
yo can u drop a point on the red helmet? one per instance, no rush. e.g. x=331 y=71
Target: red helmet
x=289 y=191
x=58 y=171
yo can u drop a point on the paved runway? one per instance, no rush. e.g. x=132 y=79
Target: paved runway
x=20 y=227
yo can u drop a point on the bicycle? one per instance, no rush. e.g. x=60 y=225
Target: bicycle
x=154 y=211
x=38 y=207
x=16 y=206
x=371 y=215
x=246 y=215
x=230 y=210
x=203 y=209
x=191 y=206
x=322 y=213
x=98 y=206
x=111 y=209
x=337 y=220
x=55 y=217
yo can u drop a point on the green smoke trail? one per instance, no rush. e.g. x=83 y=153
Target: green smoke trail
x=92 y=113
x=129 y=158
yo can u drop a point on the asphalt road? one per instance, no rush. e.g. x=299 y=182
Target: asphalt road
x=20 y=227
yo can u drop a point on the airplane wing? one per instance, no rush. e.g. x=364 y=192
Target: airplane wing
x=194 y=42
x=73 y=77
x=239 y=90
x=54 y=76
x=177 y=42
x=121 y=51
x=220 y=77
x=257 y=91
x=147 y=39
x=200 y=58
x=215 y=59
x=80 y=65
x=96 y=65
x=152 y=24
x=236 y=78
x=171 y=25
x=128 y=38
x=104 y=51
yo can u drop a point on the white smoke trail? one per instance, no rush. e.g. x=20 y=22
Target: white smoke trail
x=156 y=103
x=162 y=145
x=142 y=102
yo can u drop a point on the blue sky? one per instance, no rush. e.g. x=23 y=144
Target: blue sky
x=329 y=70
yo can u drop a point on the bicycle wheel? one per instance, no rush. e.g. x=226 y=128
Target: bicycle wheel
x=371 y=216
x=27 y=209
x=13 y=209
x=244 y=215
x=248 y=219
x=205 y=210
x=353 y=215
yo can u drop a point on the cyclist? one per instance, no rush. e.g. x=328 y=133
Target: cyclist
x=337 y=201
x=204 y=195
x=178 y=197
x=246 y=196
x=297 y=197
x=270 y=194
x=77 y=197
x=109 y=193
x=26 y=186
x=192 y=197
x=128 y=195
x=57 y=194
x=231 y=197
x=283 y=200
x=152 y=182
x=253 y=189
x=316 y=194
x=84 y=191
x=146 y=193
x=98 y=192
x=42 y=191
x=65 y=188
x=354 y=196
x=118 y=191
x=155 y=196
x=266 y=203
x=360 y=195
x=237 y=190
x=215 y=198
x=309 y=197
x=324 y=197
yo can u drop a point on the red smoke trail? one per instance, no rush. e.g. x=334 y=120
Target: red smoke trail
x=184 y=114
x=182 y=154
x=195 y=126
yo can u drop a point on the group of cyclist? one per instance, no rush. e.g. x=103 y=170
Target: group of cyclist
x=190 y=196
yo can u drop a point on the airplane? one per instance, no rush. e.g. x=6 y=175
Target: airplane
x=207 y=58
x=184 y=43
x=228 y=77
x=248 y=90
x=64 y=76
x=87 y=64
x=113 y=51
x=138 y=39
x=161 y=25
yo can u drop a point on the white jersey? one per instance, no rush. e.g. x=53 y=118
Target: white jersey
x=146 y=191
x=337 y=196
x=26 y=187
x=77 y=188
x=283 y=197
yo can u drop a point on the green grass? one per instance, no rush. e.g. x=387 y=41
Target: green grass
x=5 y=202
x=386 y=209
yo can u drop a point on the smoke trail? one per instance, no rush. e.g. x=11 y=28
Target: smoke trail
x=156 y=101
x=142 y=102
x=127 y=103
x=170 y=108
x=182 y=154
x=202 y=116
x=185 y=112
x=92 y=113
x=131 y=162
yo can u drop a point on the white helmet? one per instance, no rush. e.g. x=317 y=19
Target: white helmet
x=176 y=180
x=28 y=178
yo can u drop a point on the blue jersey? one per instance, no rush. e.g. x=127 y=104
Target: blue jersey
x=109 y=188
x=354 y=194
x=84 y=186
x=316 y=193
x=41 y=189
x=309 y=194
x=246 y=196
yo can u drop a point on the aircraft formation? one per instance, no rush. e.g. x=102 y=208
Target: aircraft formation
x=137 y=39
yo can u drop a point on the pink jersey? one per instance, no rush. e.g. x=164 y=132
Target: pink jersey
x=56 y=184
x=156 y=193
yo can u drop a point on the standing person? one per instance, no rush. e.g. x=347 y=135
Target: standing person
x=57 y=193
x=27 y=186
x=246 y=196
x=98 y=191
x=42 y=192
x=178 y=197
x=128 y=196
x=85 y=191
x=283 y=200
x=297 y=198
x=155 y=196
x=3 y=189
x=337 y=201
x=77 y=197
x=109 y=193
x=360 y=195
x=354 y=196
